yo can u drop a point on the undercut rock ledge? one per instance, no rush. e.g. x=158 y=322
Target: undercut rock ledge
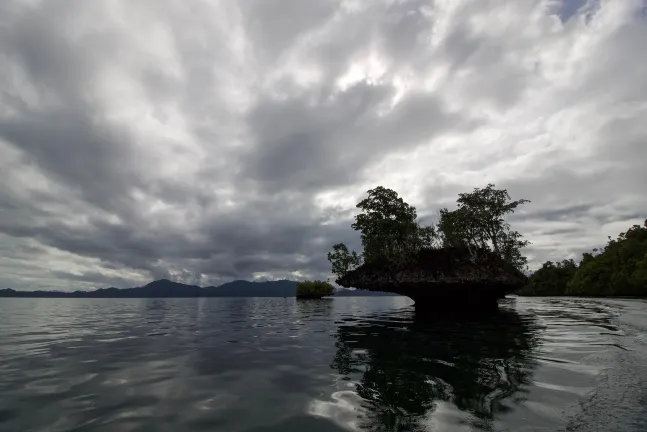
x=442 y=279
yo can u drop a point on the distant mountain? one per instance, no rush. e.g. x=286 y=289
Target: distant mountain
x=167 y=288
x=243 y=288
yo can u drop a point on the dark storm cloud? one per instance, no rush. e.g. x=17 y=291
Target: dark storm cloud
x=97 y=279
x=556 y=214
x=569 y=8
x=202 y=142
x=85 y=156
x=71 y=142
x=304 y=145
x=275 y=25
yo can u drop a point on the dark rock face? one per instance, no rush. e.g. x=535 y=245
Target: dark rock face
x=440 y=278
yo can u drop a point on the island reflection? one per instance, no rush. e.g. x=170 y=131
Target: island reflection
x=313 y=308
x=403 y=366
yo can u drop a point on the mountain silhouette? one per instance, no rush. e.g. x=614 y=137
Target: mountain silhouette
x=167 y=288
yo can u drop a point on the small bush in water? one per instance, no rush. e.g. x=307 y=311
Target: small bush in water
x=315 y=288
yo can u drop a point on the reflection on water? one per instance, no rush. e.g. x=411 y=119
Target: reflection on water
x=405 y=365
x=354 y=364
x=314 y=308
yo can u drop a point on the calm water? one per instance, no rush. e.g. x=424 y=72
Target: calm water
x=330 y=365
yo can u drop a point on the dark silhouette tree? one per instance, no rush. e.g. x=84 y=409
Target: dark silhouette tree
x=619 y=269
x=479 y=222
x=551 y=279
x=388 y=229
x=387 y=226
x=342 y=260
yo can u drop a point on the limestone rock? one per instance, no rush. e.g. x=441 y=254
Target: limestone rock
x=437 y=277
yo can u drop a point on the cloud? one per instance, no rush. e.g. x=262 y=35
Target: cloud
x=218 y=141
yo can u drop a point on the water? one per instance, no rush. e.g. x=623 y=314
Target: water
x=343 y=364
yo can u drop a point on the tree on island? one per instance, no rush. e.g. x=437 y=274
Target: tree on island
x=313 y=289
x=389 y=229
x=479 y=221
x=342 y=260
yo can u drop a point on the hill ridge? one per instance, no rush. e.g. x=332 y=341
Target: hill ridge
x=165 y=288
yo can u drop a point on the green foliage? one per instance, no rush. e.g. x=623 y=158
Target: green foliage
x=551 y=279
x=620 y=269
x=479 y=221
x=342 y=260
x=314 y=288
x=387 y=225
x=388 y=230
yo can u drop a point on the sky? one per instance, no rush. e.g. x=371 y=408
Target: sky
x=208 y=141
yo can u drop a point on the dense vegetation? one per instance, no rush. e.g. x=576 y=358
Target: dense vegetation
x=314 y=289
x=389 y=229
x=619 y=269
x=479 y=222
x=551 y=279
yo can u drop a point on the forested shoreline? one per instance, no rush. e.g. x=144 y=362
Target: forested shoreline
x=619 y=269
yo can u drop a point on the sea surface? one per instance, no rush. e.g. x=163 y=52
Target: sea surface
x=345 y=364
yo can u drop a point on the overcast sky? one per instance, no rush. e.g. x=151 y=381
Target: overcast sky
x=208 y=141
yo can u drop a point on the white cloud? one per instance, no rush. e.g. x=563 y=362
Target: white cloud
x=232 y=140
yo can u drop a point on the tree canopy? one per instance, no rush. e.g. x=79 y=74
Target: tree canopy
x=342 y=259
x=313 y=289
x=618 y=269
x=389 y=228
x=479 y=221
x=551 y=279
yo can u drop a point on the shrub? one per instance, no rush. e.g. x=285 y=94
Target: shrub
x=314 y=289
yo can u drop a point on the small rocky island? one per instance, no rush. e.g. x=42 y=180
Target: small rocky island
x=309 y=290
x=445 y=278
x=466 y=262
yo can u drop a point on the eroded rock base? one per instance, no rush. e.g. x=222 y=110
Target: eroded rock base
x=455 y=306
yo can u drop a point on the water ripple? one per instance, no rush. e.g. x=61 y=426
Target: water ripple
x=341 y=364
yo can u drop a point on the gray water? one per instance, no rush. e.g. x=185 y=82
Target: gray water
x=261 y=364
